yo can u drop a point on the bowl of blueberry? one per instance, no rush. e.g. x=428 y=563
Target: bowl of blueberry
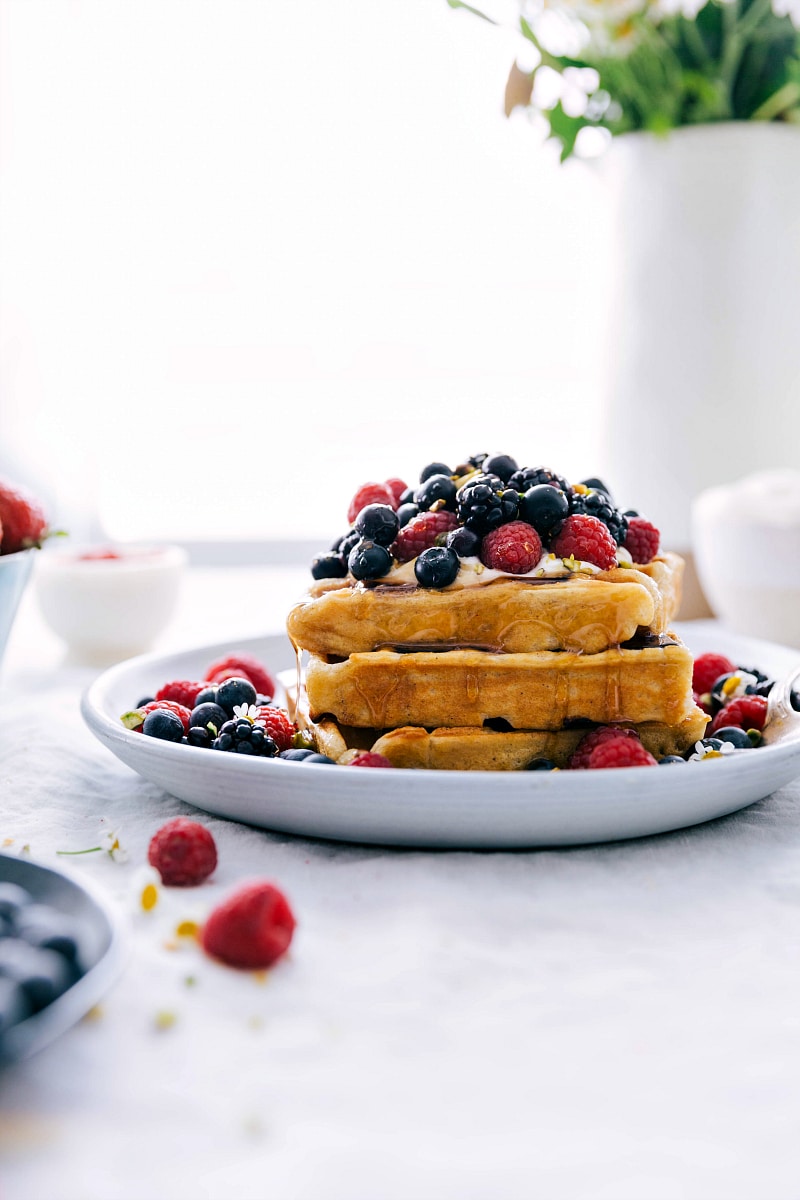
x=60 y=949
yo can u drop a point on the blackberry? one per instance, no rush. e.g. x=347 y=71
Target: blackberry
x=502 y=465
x=198 y=736
x=465 y=543
x=163 y=724
x=597 y=485
x=529 y=477
x=377 y=523
x=436 y=487
x=369 y=561
x=486 y=503
x=406 y=512
x=328 y=566
x=234 y=692
x=545 y=508
x=597 y=504
x=243 y=737
x=436 y=567
x=434 y=468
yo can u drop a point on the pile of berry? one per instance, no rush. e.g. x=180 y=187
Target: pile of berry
x=735 y=699
x=230 y=710
x=40 y=955
x=487 y=508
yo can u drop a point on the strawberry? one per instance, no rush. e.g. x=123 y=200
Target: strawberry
x=22 y=521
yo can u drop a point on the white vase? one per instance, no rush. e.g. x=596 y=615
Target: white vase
x=704 y=346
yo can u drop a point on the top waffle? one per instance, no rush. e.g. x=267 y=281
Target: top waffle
x=492 y=557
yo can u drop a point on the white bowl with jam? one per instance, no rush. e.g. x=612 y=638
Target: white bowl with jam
x=109 y=602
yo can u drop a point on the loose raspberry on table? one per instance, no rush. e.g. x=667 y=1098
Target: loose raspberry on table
x=748 y=712
x=396 y=487
x=368 y=759
x=182 y=690
x=135 y=719
x=707 y=670
x=251 y=929
x=515 y=548
x=370 y=493
x=22 y=521
x=183 y=852
x=588 y=539
x=596 y=737
x=420 y=533
x=242 y=666
x=642 y=540
x=620 y=752
x=277 y=724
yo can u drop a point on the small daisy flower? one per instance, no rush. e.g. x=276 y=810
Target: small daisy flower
x=702 y=751
x=245 y=712
x=145 y=889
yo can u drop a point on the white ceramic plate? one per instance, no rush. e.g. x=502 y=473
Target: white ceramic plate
x=440 y=808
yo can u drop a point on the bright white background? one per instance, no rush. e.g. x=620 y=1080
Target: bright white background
x=252 y=254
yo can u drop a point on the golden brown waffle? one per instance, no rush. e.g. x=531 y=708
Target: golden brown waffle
x=581 y=613
x=539 y=690
x=489 y=750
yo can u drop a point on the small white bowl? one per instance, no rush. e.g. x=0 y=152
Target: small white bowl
x=109 y=602
x=14 y=572
x=746 y=540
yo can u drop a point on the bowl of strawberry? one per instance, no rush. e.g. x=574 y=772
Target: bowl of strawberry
x=23 y=528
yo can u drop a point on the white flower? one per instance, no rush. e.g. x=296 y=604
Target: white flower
x=702 y=751
x=245 y=712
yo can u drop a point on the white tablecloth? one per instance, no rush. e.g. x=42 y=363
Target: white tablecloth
x=611 y=1023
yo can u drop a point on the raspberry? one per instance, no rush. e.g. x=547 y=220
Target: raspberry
x=707 y=670
x=277 y=724
x=596 y=737
x=422 y=532
x=586 y=538
x=702 y=699
x=748 y=712
x=370 y=493
x=368 y=759
x=515 y=547
x=396 y=487
x=135 y=719
x=242 y=666
x=182 y=690
x=251 y=929
x=620 y=752
x=183 y=852
x=591 y=502
x=642 y=540
x=22 y=522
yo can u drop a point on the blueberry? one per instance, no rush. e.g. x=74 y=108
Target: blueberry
x=163 y=724
x=234 y=692
x=597 y=485
x=796 y=701
x=668 y=759
x=544 y=507
x=434 y=468
x=736 y=737
x=436 y=567
x=207 y=696
x=197 y=736
x=12 y=899
x=631 y=512
x=501 y=465
x=42 y=974
x=14 y=1004
x=477 y=460
x=378 y=523
x=45 y=927
x=541 y=764
x=720 y=695
x=328 y=566
x=145 y=700
x=407 y=496
x=369 y=561
x=406 y=513
x=207 y=713
x=319 y=758
x=295 y=755
x=436 y=487
x=711 y=743
x=464 y=542
x=350 y=539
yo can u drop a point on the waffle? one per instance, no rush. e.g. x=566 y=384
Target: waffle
x=541 y=690
x=579 y=614
x=470 y=749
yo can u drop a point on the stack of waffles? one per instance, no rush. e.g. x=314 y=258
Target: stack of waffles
x=497 y=669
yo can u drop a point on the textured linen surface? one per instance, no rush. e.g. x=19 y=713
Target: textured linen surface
x=607 y=1023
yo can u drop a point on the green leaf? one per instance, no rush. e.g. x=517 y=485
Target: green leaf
x=475 y=11
x=564 y=128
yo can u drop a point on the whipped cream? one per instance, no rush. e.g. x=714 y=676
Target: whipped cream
x=473 y=573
